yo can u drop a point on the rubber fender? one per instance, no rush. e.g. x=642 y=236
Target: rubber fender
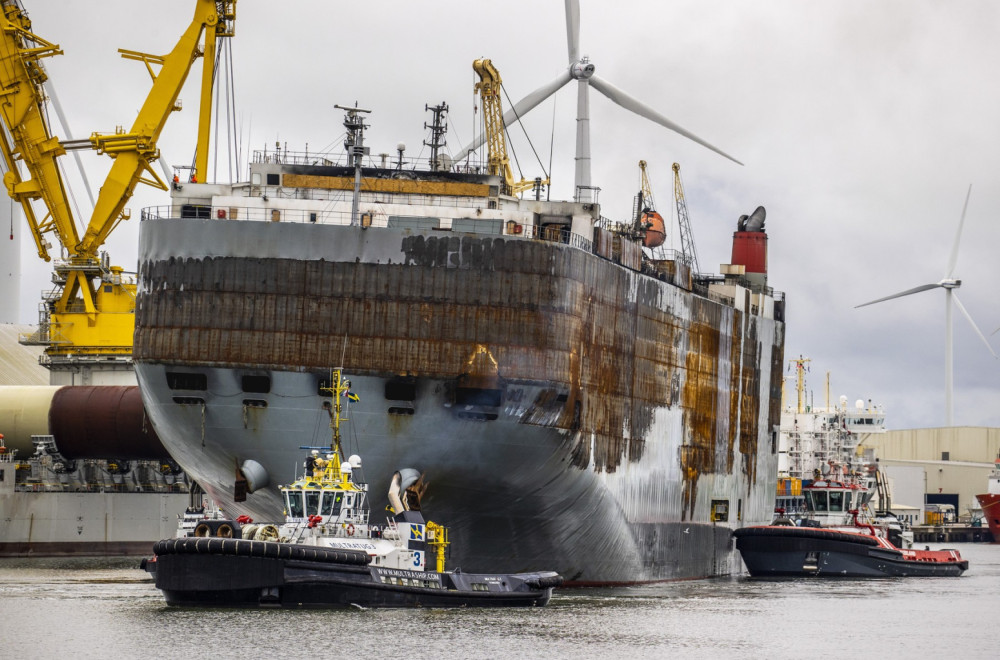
x=545 y=582
x=266 y=549
x=806 y=533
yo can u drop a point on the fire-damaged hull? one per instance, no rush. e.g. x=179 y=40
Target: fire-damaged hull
x=567 y=411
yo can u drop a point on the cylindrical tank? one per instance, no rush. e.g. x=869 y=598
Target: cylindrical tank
x=24 y=412
x=86 y=421
x=750 y=250
x=656 y=229
x=103 y=422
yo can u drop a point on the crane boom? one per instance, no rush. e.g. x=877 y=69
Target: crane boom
x=498 y=162
x=223 y=27
x=26 y=137
x=133 y=152
x=647 y=190
x=684 y=223
x=90 y=313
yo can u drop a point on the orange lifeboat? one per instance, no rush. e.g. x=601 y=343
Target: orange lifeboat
x=655 y=232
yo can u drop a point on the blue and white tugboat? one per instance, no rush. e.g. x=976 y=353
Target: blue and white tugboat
x=328 y=554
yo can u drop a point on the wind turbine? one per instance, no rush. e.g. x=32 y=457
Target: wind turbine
x=581 y=69
x=949 y=284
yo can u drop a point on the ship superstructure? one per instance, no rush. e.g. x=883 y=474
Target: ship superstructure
x=819 y=442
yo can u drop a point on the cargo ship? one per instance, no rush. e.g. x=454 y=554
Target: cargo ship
x=575 y=400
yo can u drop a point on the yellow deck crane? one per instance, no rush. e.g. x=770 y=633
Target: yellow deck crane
x=684 y=223
x=645 y=189
x=89 y=316
x=498 y=162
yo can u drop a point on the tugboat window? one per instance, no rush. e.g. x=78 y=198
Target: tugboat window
x=818 y=501
x=312 y=503
x=836 y=501
x=331 y=503
x=294 y=504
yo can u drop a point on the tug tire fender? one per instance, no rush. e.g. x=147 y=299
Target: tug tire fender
x=545 y=582
x=264 y=549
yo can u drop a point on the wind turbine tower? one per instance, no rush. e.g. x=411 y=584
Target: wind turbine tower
x=950 y=285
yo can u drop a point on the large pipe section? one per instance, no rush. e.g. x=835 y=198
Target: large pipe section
x=86 y=421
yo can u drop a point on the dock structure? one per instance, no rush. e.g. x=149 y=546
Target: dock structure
x=952 y=534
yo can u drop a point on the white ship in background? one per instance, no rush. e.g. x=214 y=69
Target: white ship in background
x=821 y=441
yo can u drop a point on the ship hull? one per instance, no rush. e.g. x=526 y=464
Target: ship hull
x=48 y=524
x=990 y=503
x=619 y=426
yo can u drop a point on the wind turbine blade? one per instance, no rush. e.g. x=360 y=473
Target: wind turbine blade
x=50 y=89
x=573 y=30
x=975 y=327
x=643 y=110
x=520 y=109
x=916 y=289
x=953 y=259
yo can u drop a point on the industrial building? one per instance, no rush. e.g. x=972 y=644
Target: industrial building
x=937 y=466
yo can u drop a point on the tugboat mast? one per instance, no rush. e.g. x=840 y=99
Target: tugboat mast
x=338 y=387
x=354 y=144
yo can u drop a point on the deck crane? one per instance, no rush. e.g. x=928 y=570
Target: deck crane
x=690 y=256
x=89 y=316
x=498 y=162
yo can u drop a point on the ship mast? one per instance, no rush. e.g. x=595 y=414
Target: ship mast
x=800 y=380
x=338 y=387
x=354 y=144
x=438 y=128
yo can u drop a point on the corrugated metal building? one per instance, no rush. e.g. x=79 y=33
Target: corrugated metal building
x=946 y=465
x=19 y=364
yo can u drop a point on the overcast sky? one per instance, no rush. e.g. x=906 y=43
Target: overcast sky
x=861 y=124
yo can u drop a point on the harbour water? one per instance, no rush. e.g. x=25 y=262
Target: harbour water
x=108 y=608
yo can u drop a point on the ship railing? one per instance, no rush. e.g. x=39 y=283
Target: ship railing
x=387 y=161
x=367 y=198
x=552 y=235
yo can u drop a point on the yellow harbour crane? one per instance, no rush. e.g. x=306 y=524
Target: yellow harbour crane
x=498 y=162
x=89 y=316
x=645 y=188
x=684 y=223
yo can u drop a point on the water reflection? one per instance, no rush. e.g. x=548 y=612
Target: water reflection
x=103 y=608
